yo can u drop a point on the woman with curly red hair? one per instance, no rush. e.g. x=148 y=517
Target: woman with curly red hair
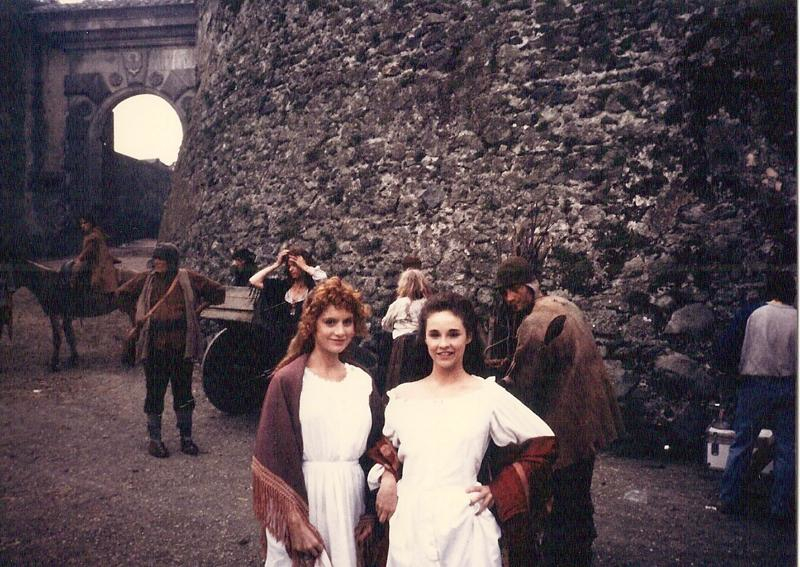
x=319 y=416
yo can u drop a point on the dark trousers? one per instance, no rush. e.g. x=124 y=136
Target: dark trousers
x=569 y=529
x=164 y=367
x=763 y=402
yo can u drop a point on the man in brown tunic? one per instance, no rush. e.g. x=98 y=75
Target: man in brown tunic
x=95 y=258
x=558 y=372
x=168 y=301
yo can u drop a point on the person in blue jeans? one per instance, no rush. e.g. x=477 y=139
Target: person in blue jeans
x=766 y=397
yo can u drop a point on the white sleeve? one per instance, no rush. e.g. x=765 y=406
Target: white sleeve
x=375 y=473
x=318 y=274
x=512 y=421
x=387 y=323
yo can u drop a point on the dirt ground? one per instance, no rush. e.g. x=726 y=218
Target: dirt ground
x=77 y=486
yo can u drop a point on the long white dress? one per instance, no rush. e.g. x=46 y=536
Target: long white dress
x=441 y=443
x=335 y=420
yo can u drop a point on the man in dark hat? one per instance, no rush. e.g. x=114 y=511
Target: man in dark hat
x=243 y=266
x=411 y=262
x=168 y=301
x=558 y=372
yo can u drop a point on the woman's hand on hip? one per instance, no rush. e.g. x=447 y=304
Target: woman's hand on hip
x=482 y=496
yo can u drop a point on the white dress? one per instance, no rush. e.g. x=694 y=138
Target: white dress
x=441 y=443
x=335 y=420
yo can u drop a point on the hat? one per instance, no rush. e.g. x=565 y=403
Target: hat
x=168 y=252
x=514 y=271
x=411 y=262
x=245 y=255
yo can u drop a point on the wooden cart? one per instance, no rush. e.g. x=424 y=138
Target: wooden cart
x=240 y=357
x=236 y=364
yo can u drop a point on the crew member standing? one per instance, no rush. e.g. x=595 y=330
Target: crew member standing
x=766 y=397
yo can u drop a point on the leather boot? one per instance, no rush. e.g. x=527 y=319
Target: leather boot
x=184 y=421
x=155 y=447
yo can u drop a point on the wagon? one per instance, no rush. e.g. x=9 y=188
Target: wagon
x=239 y=359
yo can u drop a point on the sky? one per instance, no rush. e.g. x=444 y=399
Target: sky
x=147 y=127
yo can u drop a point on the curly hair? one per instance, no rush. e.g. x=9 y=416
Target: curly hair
x=414 y=285
x=332 y=292
x=462 y=308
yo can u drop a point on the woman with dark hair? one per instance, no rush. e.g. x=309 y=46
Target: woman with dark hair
x=319 y=416
x=280 y=302
x=438 y=430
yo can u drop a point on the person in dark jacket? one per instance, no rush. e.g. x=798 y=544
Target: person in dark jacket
x=277 y=310
x=558 y=372
x=168 y=301
x=243 y=266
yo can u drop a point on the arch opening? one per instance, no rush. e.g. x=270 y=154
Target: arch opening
x=139 y=142
x=146 y=127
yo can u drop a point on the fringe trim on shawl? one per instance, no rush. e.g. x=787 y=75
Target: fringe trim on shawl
x=273 y=502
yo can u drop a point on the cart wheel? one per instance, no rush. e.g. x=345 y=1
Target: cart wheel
x=233 y=365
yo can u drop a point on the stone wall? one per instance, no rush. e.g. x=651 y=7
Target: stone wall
x=15 y=35
x=661 y=138
x=133 y=196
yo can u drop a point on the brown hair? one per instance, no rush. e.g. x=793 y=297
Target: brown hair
x=298 y=251
x=414 y=285
x=332 y=292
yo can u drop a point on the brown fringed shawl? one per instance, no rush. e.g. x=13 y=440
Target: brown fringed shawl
x=278 y=485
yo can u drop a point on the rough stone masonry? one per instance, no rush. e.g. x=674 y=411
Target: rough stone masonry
x=659 y=134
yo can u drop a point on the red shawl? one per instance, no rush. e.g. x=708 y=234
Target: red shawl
x=278 y=485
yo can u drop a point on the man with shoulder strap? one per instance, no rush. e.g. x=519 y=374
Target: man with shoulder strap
x=168 y=301
x=766 y=397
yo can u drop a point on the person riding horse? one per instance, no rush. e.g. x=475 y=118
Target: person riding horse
x=95 y=260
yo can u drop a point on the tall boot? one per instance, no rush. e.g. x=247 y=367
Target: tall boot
x=184 y=419
x=156 y=446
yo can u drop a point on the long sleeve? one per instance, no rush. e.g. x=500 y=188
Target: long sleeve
x=528 y=450
x=318 y=275
x=512 y=421
x=207 y=290
x=393 y=312
x=384 y=451
x=128 y=293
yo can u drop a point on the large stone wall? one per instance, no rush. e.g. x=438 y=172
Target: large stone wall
x=659 y=134
x=15 y=36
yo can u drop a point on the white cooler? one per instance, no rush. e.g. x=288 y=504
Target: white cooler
x=718 y=444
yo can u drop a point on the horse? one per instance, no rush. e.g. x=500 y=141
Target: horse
x=63 y=302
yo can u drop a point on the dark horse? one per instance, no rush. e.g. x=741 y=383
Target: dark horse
x=62 y=302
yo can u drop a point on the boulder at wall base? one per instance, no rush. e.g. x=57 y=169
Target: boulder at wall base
x=678 y=375
x=620 y=382
x=695 y=319
x=677 y=363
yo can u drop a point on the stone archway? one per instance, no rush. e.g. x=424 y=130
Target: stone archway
x=85 y=59
x=92 y=97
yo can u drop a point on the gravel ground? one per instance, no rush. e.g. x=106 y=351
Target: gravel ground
x=78 y=488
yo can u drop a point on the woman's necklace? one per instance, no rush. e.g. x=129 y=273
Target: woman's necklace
x=297 y=294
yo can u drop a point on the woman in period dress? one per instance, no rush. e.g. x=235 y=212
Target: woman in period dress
x=408 y=357
x=280 y=303
x=318 y=417
x=440 y=427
